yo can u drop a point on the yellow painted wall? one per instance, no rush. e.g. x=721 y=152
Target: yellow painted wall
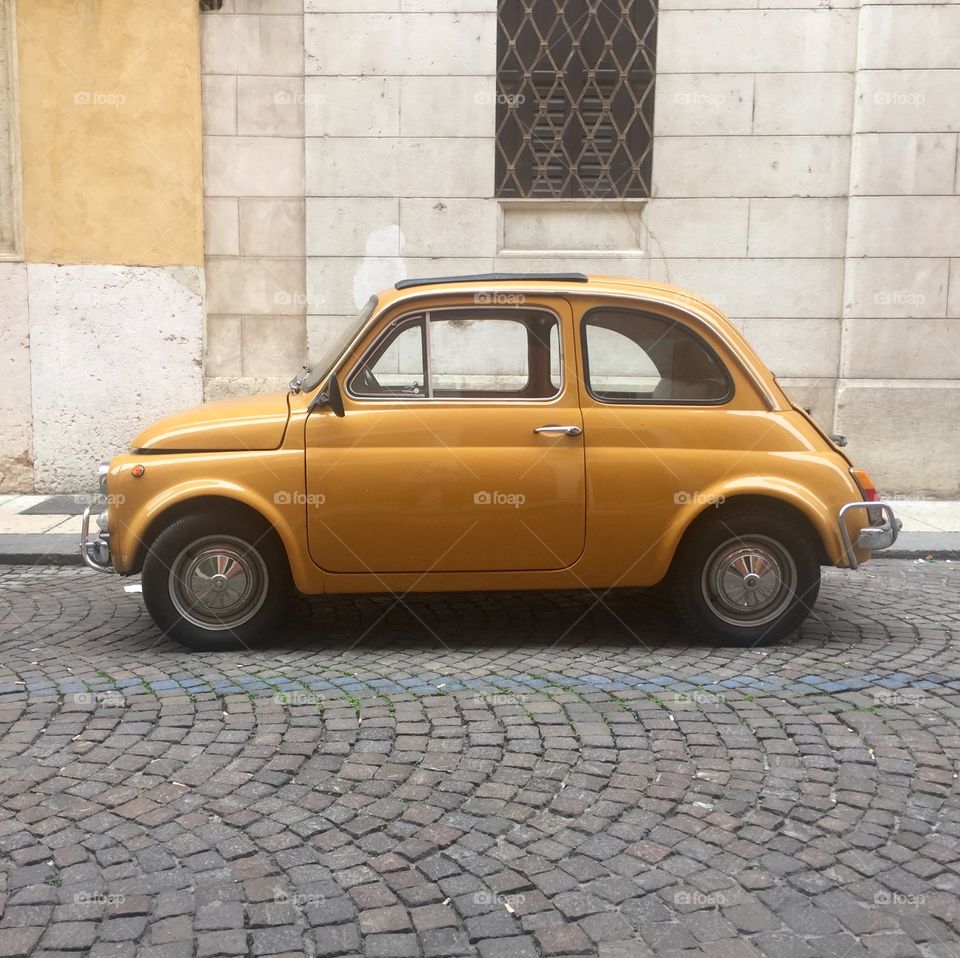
x=110 y=131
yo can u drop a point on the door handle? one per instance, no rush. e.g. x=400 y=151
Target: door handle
x=566 y=430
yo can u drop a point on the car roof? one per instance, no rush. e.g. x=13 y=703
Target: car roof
x=579 y=284
x=563 y=283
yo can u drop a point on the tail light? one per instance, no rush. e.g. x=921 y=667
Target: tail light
x=869 y=492
x=866 y=485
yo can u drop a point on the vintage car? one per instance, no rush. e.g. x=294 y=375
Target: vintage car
x=491 y=432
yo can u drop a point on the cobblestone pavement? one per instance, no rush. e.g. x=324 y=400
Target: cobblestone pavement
x=482 y=775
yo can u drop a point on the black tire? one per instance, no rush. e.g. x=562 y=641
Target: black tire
x=216 y=583
x=744 y=579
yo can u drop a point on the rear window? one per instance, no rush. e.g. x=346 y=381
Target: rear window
x=636 y=357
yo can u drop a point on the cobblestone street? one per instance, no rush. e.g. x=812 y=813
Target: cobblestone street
x=503 y=776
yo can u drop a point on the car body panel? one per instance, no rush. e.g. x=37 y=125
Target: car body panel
x=247 y=422
x=383 y=499
x=441 y=486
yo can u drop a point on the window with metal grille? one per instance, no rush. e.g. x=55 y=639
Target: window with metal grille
x=575 y=83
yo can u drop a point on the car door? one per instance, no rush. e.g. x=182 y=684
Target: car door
x=664 y=418
x=460 y=449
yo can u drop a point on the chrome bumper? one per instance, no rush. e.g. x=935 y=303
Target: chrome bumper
x=871 y=538
x=95 y=552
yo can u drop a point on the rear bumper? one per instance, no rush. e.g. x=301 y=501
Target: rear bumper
x=870 y=538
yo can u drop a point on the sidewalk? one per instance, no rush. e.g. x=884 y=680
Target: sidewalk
x=45 y=530
x=41 y=530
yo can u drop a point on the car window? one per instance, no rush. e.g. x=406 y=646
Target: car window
x=470 y=355
x=636 y=357
x=467 y=354
x=395 y=369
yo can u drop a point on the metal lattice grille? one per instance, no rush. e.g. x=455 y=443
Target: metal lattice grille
x=575 y=82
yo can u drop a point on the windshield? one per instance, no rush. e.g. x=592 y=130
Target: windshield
x=315 y=374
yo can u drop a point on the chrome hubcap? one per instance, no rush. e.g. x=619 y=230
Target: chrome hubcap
x=218 y=582
x=749 y=581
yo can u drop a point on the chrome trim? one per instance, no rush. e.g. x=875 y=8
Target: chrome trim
x=427 y=355
x=742 y=360
x=103 y=470
x=217 y=575
x=96 y=553
x=749 y=581
x=872 y=538
x=428 y=385
x=566 y=430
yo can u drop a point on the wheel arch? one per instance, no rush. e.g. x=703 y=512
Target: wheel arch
x=208 y=504
x=792 y=509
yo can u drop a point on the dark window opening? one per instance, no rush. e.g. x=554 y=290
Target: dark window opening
x=633 y=357
x=575 y=93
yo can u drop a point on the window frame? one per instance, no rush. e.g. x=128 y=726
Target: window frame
x=423 y=317
x=667 y=321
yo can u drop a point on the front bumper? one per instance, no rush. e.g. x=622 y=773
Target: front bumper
x=96 y=552
x=870 y=538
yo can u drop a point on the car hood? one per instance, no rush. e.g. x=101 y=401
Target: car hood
x=251 y=422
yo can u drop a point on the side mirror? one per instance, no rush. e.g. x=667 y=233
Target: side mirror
x=330 y=397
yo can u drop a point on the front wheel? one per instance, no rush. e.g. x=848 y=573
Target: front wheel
x=746 y=580
x=216 y=583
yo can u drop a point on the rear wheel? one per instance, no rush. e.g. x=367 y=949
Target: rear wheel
x=216 y=583
x=746 y=580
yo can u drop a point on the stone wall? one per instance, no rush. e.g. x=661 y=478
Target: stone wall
x=805 y=179
x=101 y=291
x=253 y=106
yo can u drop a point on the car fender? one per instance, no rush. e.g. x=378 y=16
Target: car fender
x=721 y=493
x=286 y=518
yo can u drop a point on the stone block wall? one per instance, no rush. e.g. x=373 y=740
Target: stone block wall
x=101 y=282
x=805 y=179
x=253 y=162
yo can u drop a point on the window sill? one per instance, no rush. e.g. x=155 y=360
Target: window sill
x=603 y=228
x=638 y=254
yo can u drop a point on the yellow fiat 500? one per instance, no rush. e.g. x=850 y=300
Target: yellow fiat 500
x=502 y=431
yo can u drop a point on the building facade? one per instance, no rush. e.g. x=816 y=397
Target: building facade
x=796 y=163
